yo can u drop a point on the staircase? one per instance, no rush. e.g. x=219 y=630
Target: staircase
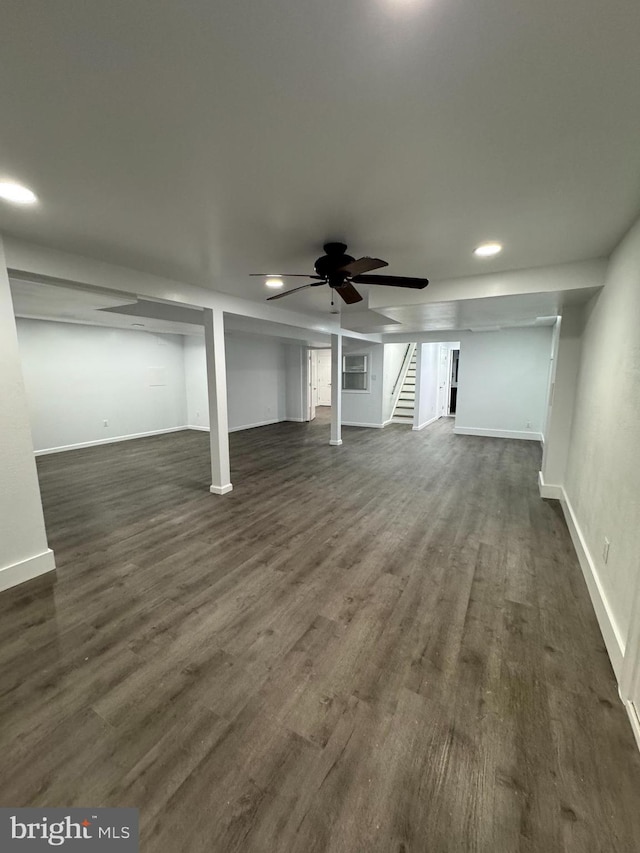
x=403 y=412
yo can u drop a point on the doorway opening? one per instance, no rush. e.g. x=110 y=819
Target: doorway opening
x=319 y=381
x=454 y=361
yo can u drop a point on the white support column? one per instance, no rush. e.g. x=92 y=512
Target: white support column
x=563 y=380
x=336 y=390
x=24 y=552
x=217 y=387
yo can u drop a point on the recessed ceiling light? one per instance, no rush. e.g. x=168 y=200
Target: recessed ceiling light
x=488 y=250
x=16 y=193
x=138 y=325
x=274 y=281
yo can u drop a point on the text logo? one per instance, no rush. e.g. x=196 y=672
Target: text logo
x=86 y=830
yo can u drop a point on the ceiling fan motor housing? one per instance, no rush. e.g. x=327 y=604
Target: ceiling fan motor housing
x=329 y=266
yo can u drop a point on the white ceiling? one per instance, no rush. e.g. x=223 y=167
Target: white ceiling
x=205 y=140
x=71 y=304
x=524 y=309
x=38 y=301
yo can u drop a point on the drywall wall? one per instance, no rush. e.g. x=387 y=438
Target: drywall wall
x=195 y=372
x=257 y=380
x=364 y=408
x=503 y=382
x=602 y=481
x=427 y=362
x=24 y=552
x=393 y=355
x=77 y=377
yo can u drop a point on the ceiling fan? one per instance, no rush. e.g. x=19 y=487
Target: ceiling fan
x=340 y=271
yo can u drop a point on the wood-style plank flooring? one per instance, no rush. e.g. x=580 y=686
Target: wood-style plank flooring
x=386 y=646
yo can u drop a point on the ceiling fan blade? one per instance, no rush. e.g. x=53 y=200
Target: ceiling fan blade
x=287 y=292
x=348 y=293
x=392 y=281
x=283 y=275
x=363 y=265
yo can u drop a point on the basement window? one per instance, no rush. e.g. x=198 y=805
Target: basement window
x=355 y=376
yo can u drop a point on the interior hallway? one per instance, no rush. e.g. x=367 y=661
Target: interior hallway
x=384 y=646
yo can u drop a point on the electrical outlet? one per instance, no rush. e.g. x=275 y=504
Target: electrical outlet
x=528 y=424
x=605 y=550
x=105 y=423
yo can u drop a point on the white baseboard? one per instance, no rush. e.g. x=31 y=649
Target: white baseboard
x=609 y=628
x=360 y=424
x=527 y=435
x=257 y=424
x=221 y=490
x=113 y=440
x=335 y=443
x=549 y=491
x=27 y=570
x=633 y=719
x=387 y=422
x=249 y=426
x=426 y=423
x=297 y=420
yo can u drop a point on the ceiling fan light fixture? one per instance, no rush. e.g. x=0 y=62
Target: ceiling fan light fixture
x=487 y=250
x=339 y=271
x=274 y=282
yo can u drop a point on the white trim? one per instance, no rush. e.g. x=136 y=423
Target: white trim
x=112 y=440
x=527 y=435
x=257 y=424
x=28 y=569
x=335 y=443
x=251 y=426
x=609 y=628
x=633 y=719
x=549 y=491
x=359 y=424
x=296 y=420
x=631 y=670
x=115 y=439
x=426 y=424
x=221 y=490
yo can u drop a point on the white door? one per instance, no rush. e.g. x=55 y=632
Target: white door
x=312 y=375
x=443 y=376
x=324 y=377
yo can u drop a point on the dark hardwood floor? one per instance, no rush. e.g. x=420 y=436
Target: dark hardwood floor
x=386 y=646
